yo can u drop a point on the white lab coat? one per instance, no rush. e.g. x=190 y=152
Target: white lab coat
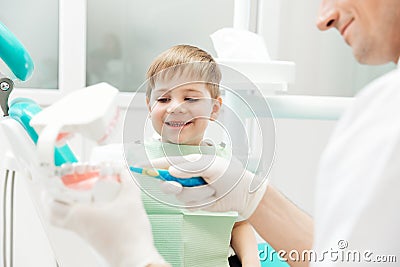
x=357 y=193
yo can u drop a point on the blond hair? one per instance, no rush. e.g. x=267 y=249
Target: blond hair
x=185 y=59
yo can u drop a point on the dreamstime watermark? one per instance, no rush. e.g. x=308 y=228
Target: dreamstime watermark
x=339 y=254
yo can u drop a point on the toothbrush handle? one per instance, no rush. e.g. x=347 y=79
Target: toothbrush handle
x=166 y=176
x=187 y=182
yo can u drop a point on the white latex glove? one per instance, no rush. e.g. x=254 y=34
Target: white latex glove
x=230 y=187
x=119 y=230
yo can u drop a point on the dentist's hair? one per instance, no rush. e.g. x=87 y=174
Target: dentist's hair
x=190 y=62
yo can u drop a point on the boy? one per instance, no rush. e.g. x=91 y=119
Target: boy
x=182 y=97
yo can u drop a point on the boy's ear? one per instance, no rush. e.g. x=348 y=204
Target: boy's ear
x=216 y=108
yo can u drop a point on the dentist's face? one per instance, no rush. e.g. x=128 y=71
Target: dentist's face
x=180 y=114
x=370 y=27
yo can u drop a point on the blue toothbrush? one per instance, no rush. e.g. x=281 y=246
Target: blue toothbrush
x=166 y=176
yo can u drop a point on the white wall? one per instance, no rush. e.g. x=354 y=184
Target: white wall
x=324 y=63
x=299 y=144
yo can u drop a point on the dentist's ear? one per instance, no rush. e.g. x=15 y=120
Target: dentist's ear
x=217 y=103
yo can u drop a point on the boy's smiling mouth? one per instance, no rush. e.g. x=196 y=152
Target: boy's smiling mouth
x=178 y=124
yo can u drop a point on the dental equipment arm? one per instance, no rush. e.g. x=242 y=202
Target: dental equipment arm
x=13 y=53
x=16 y=57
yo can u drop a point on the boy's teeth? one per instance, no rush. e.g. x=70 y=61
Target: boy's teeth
x=176 y=124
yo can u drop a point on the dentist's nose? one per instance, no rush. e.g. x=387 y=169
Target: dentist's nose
x=328 y=15
x=176 y=107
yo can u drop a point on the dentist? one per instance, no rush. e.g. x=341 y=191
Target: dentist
x=357 y=200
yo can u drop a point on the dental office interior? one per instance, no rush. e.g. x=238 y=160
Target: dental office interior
x=307 y=77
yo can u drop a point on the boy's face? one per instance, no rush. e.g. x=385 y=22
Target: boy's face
x=180 y=114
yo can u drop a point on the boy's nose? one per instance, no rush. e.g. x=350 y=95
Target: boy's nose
x=176 y=107
x=328 y=15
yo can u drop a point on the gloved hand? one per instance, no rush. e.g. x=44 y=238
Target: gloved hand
x=230 y=186
x=119 y=230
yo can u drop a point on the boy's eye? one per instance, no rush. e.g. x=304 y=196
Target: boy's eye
x=190 y=99
x=163 y=99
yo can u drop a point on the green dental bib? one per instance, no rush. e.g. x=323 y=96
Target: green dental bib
x=186 y=238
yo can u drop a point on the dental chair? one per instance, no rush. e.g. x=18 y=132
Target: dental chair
x=19 y=219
